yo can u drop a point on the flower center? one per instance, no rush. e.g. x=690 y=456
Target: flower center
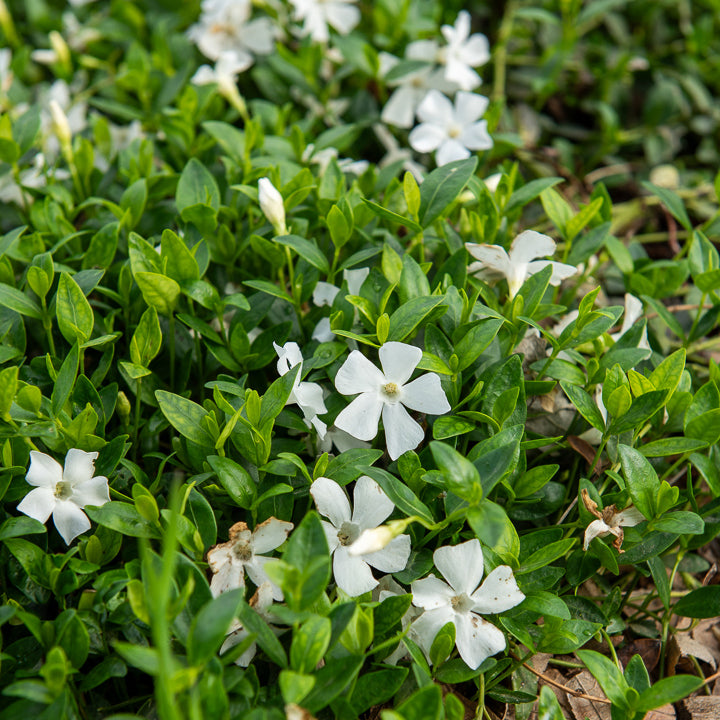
x=348 y=533
x=63 y=490
x=418 y=82
x=391 y=389
x=461 y=603
x=454 y=131
x=243 y=551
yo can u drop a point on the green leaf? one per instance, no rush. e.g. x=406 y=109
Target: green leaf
x=641 y=409
x=12 y=298
x=493 y=527
x=265 y=637
x=528 y=192
x=159 y=291
x=442 y=186
x=147 y=338
x=548 y=705
x=123 y=518
x=405 y=321
x=185 y=416
x=180 y=263
x=424 y=704
x=460 y=474
x=475 y=341
x=65 y=379
x=666 y=376
x=306 y=249
x=704 y=602
x=672 y=202
x=372 y=689
x=331 y=680
x=668 y=690
x=545 y=555
x=276 y=397
x=309 y=644
x=681 y=522
x=196 y=186
x=268 y=288
x=211 y=625
x=546 y=603
x=585 y=405
x=235 y=479
x=608 y=675
x=393 y=217
x=671 y=446
x=402 y=496
x=642 y=481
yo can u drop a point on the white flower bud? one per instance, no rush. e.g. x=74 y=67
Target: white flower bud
x=60 y=124
x=271 y=203
x=372 y=540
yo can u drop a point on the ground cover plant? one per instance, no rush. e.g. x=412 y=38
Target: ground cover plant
x=358 y=360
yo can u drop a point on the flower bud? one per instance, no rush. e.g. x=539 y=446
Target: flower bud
x=372 y=540
x=271 y=203
x=60 y=124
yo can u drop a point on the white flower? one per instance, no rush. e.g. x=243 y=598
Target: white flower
x=307 y=395
x=459 y=602
x=341 y=440
x=260 y=602
x=228 y=66
x=63 y=492
x=6 y=74
x=271 y=203
x=325 y=294
x=386 y=588
x=609 y=521
x=412 y=87
x=225 y=26
x=324 y=157
x=372 y=506
x=463 y=52
x=75 y=113
x=386 y=392
x=453 y=131
x=341 y=15
x=520 y=263
x=60 y=123
x=633 y=312
x=243 y=553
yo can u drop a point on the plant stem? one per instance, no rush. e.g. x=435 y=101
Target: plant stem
x=172 y=350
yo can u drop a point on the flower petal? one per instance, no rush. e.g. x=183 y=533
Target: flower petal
x=436 y=109
x=476 y=136
x=331 y=501
x=597 y=528
x=269 y=535
x=425 y=394
x=70 y=520
x=498 y=593
x=393 y=557
x=324 y=294
x=355 y=279
x=427 y=626
x=492 y=257
x=469 y=107
x=360 y=418
x=476 y=639
x=461 y=565
x=309 y=396
x=256 y=570
x=450 y=151
x=426 y=137
x=79 y=466
x=352 y=574
x=289 y=355
x=431 y=593
x=341 y=16
x=398 y=360
x=38 y=503
x=44 y=471
x=331 y=535
x=530 y=245
x=399 y=110
x=371 y=504
x=230 y=576
x=402 y=433
x=560 y=271
x=357 y=374
x=322 y=332
x=629 y=517
x=91 y=492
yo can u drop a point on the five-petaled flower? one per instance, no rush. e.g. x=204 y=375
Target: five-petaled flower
x=372 y=506
x=609 y=522
x=459 y=602
x=521 y=262
x=452 y=130
x=63 y=492
x=243 y=553
x=341 y=15
x=307 y=395
x=386 y=392
x=463 y=52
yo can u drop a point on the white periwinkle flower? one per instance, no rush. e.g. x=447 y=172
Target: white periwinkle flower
x=521 y=262
x=460 y=601
x=63 y=492
x=609 y=522
x=372 y=506
x=307 y=395
x=243 y=553
x=228 y=66
x=271 y=203
x=225 y=26
x=463 y=52
x=341 y=15
x=386 y=392
x=633 y=312
x=451 y=130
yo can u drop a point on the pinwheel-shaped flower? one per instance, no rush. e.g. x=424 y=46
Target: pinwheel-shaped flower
x=63 y=493
x=463 y=52
x=307 y=395
x=452 y=130
x=521 y=262
x=460 y=601
x=352 y=572
x=341 y=15
x=244 y=553
x=386 y=393
x=609 y=522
